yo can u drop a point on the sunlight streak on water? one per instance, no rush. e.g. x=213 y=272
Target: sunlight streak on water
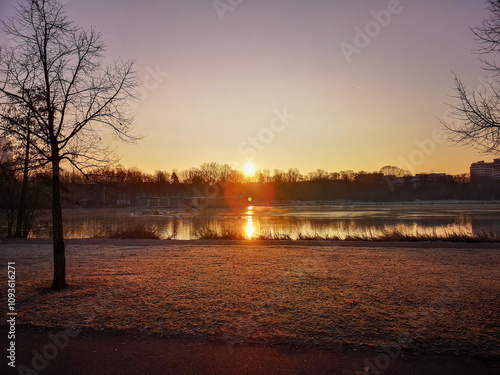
x=250 y=229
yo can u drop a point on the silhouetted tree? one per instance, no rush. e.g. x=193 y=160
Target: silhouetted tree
x=175 y=178
x=475 y=119
x=210 y=173
x=390 y=170
x=335 y=176
x=319 y=175
x=462 y=179
x=348 y=175
x=64 y=62
x=18 y=123
x=293 y=175
x=279 y=176
x=161 y=177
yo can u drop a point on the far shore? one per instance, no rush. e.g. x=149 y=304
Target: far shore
x=314 y=204
x=389 y=203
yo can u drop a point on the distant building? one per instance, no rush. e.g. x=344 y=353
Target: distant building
x=144 y=200
x=433 y=178
x=158 y=201
x=485 y=171
x=369 y=178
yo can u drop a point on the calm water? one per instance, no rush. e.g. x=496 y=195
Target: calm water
x=333 y=220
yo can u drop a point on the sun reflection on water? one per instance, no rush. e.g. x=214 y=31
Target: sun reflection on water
x=250 y=229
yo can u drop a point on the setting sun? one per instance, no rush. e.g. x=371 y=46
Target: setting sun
x=249 y=170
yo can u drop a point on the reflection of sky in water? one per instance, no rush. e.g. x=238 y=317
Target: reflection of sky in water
x=251 y=221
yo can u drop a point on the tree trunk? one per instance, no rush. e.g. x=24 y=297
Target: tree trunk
x=57 y=230
x=21 y=213
x=10 y=221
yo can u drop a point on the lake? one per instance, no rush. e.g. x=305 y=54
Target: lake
x=332 y=220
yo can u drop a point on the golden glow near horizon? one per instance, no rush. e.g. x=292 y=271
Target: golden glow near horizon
x=249 y=170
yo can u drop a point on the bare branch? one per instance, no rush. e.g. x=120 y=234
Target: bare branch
x=475 y=117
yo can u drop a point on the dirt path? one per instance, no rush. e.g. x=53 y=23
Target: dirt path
x=106 y=354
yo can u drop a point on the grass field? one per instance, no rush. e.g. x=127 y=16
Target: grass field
x=443 y=300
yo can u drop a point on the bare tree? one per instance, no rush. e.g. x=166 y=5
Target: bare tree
x=293 y=175
x=210 y=172
x=318 y=175
x=475 y=118
x=81 y=94
x=391 y=170
x=19 y=118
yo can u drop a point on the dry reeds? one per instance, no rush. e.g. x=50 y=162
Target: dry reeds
x=140 y=231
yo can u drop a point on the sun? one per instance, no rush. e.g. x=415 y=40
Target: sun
x=249 y=170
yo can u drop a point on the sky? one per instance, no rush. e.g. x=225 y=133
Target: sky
x=331 y=84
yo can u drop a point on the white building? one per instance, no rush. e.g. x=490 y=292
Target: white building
x=482 y=170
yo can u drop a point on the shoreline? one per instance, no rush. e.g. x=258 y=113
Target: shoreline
x=388 y=203
x=224 y=242
x=302 y=204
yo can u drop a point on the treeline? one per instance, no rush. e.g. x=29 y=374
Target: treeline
x=107 y=187
x=23 y=192
x=214 y=173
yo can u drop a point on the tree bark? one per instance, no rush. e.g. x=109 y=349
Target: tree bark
x=21 y=213
x=57 y=230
